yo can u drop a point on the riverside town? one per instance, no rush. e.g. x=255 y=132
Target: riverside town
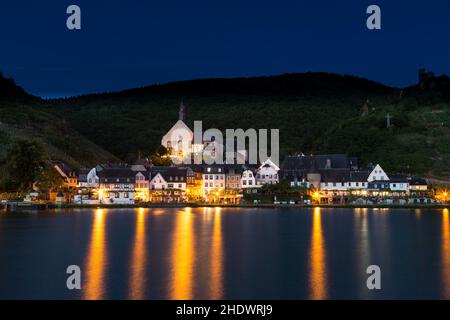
x=313 y=179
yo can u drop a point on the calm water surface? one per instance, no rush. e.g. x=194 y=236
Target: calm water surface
x=228 y=253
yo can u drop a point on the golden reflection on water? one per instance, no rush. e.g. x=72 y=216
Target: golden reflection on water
x=94 y=285
x=138 y=259
x=418 y=213
x=363 y=247
x=317 y=274
x=182 y=257
x=216 y=281
x=446 y=253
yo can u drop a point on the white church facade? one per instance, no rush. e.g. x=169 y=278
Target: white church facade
x=179 y=140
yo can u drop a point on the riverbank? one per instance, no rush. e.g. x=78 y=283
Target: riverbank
x=197 y=205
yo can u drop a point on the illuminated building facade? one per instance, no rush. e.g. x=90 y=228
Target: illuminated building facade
x=168 y=184
x=116 y=185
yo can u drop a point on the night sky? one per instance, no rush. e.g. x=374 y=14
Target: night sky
x=125 y=44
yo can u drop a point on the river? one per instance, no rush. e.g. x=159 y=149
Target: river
x=225 y=253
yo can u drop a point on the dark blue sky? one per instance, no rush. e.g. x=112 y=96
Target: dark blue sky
x=131 y=43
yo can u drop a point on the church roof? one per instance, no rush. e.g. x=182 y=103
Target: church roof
x=179 y=125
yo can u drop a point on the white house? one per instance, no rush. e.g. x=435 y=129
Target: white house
x=399 y=184
x=358 y=180
x=267 y=173
x=213 y=178
x=248 y=180
x=158 y=182
x=116 y=185
x=377 y=174
x=169 y=179
x=168 y=185
x=333 y=186
x=176 y=178
x=417 y=184
x=142 y=185
x=92 y=179
x=334 y=179
x=87 y=178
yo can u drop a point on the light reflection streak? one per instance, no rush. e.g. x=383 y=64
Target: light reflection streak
x=446 y=253
x=317 y=275
x=94 y=286
x=138 y=259
x=182 y=257
x=418 y=213
x=216 y=281
x=363 y=245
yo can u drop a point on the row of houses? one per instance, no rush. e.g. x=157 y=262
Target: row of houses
x=337 y=178
x=333 y=178
x=142 y=182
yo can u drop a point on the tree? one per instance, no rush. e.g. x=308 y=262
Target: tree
x=161 y=157
x=49 y=180
x=25 y=162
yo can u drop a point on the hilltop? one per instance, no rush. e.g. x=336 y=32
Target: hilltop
x=302 y=106
x=315 y=112
x=22 y=116
x=417 y=140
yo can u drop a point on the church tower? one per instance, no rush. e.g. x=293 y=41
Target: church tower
x=182 y=112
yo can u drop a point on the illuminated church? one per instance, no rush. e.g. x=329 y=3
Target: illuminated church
x=179 y=140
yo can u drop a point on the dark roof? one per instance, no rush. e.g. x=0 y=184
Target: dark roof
x=398 y=180
x=417 y=181
x=82 y=174
x=145 y=173
x=235 y=168
x=140 y=162
x=225 y=168
x=335 y=175
x=103 y=166
x=313 y=163
x=408 y=179
x=156 y=169
x=167 y=170
x=359 y=176
x=84 y=171
x=114 y=174
x=198 y=168
x=174 y=174
x=214 y=169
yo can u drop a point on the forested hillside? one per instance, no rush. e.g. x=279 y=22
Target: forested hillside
x=23 y=117
x=302 y=106
x=315 y=112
